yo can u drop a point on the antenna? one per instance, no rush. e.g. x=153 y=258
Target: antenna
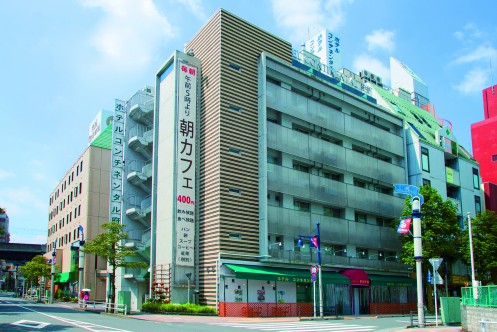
x=492 y=77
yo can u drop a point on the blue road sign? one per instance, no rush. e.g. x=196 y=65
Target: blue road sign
x=407 y=189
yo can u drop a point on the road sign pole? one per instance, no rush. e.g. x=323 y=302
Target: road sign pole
x=314 y=289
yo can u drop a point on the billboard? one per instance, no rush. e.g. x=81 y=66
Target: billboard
x=101 y=121
x=117 y=162
x=186 y=136
x=326 y=45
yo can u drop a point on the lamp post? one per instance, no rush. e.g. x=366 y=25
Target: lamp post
x=316 y=242
x=474 y=283
x=53 y=271
x=81 y=263
x=418 y=256
x=188 y=275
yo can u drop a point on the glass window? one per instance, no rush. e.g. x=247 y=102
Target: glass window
x=359 y=183
x=425 y=160
x=360 y=217
x=301 y=167
x=301 y=206
x=494 y=157
x=477 y=204
x=426 y=182
x=476 y=179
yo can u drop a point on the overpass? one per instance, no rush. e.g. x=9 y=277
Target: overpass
x=20 y=251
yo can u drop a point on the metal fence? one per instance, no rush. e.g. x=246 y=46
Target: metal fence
x=481 y=296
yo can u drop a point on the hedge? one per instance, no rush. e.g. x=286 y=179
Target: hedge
x=188 y=308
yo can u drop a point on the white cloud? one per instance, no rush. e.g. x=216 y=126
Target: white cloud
x=302 y=20
x=195 y=7
x=470 y=31
x=130 y=31
x=14 y=200
x=5 y=174
x=482 y=52
x=380 y=39
x=374 y=65
x=474 y=81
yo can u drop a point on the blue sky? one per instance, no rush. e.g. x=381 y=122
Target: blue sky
x=61 y=61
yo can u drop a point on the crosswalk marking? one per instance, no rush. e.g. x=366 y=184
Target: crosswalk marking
x=300 y=326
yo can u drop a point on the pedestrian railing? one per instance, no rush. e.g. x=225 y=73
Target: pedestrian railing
x=103 y=306
x=484 y=325
x=482 y=296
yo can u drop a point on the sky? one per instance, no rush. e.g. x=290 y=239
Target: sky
x=62 y=61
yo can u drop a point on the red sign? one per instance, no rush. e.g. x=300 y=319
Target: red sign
x=314 y=270
x=404 y=226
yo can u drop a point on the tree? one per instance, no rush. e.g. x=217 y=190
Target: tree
x=2 y=228
x=440 y=229
x=35 y=269
x=484 y=231
x=108 y=245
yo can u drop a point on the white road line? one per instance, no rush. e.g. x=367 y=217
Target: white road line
x=299 y=327
x=84 y=325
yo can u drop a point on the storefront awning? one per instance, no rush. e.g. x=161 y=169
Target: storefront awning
x=281 y=274
x=63 y=277
x=357 y=277
x=377 y=280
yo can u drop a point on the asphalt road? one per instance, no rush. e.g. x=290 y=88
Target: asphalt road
x=21 y=315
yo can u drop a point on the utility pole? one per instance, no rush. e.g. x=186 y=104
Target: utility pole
x=53 y=271
x=81 y=264
x=418 y=256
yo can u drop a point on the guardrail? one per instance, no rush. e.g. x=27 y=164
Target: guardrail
x=104 y=306
x=484 y=325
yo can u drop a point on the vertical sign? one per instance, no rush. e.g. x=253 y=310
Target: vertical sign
x=326 y=45
x=185 y=164
x=117 y=160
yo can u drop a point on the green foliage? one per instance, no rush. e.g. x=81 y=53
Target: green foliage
x=188 y=308
x=35 y=269
x=440 y=229
x=484 y=231
x=108 y=245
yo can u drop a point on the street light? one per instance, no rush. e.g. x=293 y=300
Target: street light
x=53 y=271
x=188 y=275
x=315 y=241
x=474 y=283
x=81 y=263
x=418 y=256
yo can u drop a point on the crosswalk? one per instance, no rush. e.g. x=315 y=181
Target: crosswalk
x=300 y=326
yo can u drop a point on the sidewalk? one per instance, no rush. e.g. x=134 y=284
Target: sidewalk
x=175 y=318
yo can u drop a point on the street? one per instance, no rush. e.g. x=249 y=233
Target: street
x=21 y=315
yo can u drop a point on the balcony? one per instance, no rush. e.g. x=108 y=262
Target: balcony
x=457 y=203
x=140 y=140
x=143 y=112
x=139 y=174
x=311 y=257
x=140 y=210
x=452 y=177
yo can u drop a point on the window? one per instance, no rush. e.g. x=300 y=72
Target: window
x=360 y=217
x=494 y=157
x=476 y=179
x=332 y=176
x=234 y=108
x=235 y=66
x=425 y=159
x=329 y=211
x=362 y=253
x=301 y=206
x=359 y=183
x=234 y=151
x=426 y=182
x=301 y=167
x=300 y=129
x=235 y=191
x=81 y=166
x=384 y=222
x=477 y=204
x=80 y=186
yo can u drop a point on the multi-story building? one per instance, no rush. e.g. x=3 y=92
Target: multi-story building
x=81 y=198
x=254 y=145
x=4 y=226
x=484 y=139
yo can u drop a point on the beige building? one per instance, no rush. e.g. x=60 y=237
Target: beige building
x=81 y=198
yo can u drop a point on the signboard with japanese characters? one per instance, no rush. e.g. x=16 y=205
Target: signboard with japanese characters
x=326 y=45
x=186 y=163
x=101 y=121
x=117 y=162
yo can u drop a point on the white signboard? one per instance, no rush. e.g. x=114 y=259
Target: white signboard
x=186 y=135
x=101 y=121
x=326 y=45
x=117 y=166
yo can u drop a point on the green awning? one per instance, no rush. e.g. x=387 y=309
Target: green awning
x=281 y=274
x=63 y=277
x=377 y=280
